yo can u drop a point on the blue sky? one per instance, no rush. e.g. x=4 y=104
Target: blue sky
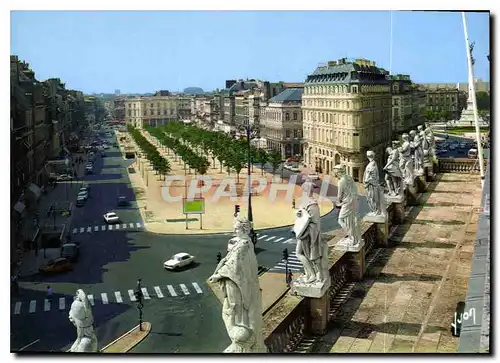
x=144 y=51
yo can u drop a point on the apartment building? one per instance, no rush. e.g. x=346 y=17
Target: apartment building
x=444 y=103
x=346 y=111
x=281 y=123
x=408 y=104
x=183 y=107
x=151 y=111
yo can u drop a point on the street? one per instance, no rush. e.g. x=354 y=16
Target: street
x=180 y=307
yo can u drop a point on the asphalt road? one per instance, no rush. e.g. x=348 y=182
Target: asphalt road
x=184 y=313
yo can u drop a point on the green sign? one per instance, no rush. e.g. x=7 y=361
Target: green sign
x=193 y=206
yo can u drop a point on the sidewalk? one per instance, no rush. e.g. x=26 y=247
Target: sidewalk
x=63 y=194
x=407 y=299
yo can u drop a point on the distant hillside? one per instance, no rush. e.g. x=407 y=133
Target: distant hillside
x=193 y=91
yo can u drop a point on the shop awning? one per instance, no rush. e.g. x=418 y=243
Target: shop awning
x=35 y=190
x=20 y=207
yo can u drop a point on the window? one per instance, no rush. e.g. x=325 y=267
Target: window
x=295 y=115
x=152 y=105
x=151 y=112
x=164 y=111
x=129 y=113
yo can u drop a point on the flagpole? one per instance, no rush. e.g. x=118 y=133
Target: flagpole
x=472 y=90
x=390 y=49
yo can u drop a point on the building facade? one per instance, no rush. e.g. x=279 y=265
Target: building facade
x=346 y=111
x=408 y=104
x=281 y=123
x=151 y=111
x=444 y=103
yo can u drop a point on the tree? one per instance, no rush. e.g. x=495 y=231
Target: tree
x=429 y=114
x=237 y=162
x=262 y=158
x=483 y=100
x=275 y=160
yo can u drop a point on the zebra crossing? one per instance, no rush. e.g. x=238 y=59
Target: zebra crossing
x=108 y=227
x=275 y=239
x=294 y=264
x=61 y=303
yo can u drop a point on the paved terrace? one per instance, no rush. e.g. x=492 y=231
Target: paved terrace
x=407 y=298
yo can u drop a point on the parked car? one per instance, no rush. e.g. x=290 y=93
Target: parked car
x=71 y=251
x=80 y=201
x=105 y=146
x=122 y=201
x=111 y=218
x=60 y=264
x=83 y=194
x=64 y=177
x=178 y=260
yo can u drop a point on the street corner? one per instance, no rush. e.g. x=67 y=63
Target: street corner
x=128 y=340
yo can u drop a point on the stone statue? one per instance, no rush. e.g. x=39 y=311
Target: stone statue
x=311 y=251
x=406 y=161
x=374 y=193
x=347 y=199
x=416 y=145
x=237 y=274
x=432 y=142
x=393 y=176
x=80 y=314
x=425 y=144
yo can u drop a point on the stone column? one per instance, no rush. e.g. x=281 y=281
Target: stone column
x=356 y=265
x=383 y=233
x=429 y=172
x=411 y=193
x=420 y=183
x=320 y=309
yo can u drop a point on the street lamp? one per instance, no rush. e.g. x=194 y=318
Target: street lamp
x=251 y=132
x=138 y=296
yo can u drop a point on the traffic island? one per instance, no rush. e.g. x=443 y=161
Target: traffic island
x=128 y=340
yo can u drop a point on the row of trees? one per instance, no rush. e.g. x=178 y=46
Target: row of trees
x=231 y=153
x=190 y=158
x=159 y=163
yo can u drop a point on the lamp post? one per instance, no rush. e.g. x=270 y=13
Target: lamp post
x=250 y=131
x=138 y=296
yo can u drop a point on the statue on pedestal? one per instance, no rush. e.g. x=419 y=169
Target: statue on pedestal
x=416 y=146
x=374 y=193
x=406 y=161
x=237 y=274
x=80 y=314
x=425 y=145
x=431 y=139
x=393 y=176
x=311 y=251
x=347 y=199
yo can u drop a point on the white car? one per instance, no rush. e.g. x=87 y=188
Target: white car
x=64 y=177
x=105 y=146
x=313 y=176
x=178 y=260
x=83 y=194
x=111 y=217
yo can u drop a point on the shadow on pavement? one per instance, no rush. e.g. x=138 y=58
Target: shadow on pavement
x=99 y=177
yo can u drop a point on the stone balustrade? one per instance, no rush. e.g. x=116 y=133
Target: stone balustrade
x=294 y=317
x=459 y=165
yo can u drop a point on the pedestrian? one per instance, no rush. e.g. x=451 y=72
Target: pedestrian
x=49 y=293
x=289 y=277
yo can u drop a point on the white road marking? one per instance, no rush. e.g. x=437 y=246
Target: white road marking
x=131 y=225
x=131 y=295
x=17 y=308
x=104 y=298
x=283 y=268
x=290 y=264
x=91 y=299
x=117 y=226
x=46 y=305
x=264 y=236
x=30 y=344
x=158 y=292
x=197 y=288
x=145 y=293
x=32 y=306
x=290 y=240
x=124 y=225
x=279 y=239
x=270 y=238
x=184 y=289
x=118 y=296
x=138 y=225
x=62 y=303
x=82 y=230
x=89 y=229
x=96 y=228
x=110 y=227
x=103 y=227
x=171 y=290
x=75 y=230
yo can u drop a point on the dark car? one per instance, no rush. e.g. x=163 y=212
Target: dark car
x=55 y=266
x=71 y=251
x=122 y=201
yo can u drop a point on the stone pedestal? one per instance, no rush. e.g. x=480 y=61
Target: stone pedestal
x=320 y=309
x=356 y=258
x=420 y=184
x=411 y=194
x=399 y=212
x=382 y=223
x=312 y=290
x=429 y=172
